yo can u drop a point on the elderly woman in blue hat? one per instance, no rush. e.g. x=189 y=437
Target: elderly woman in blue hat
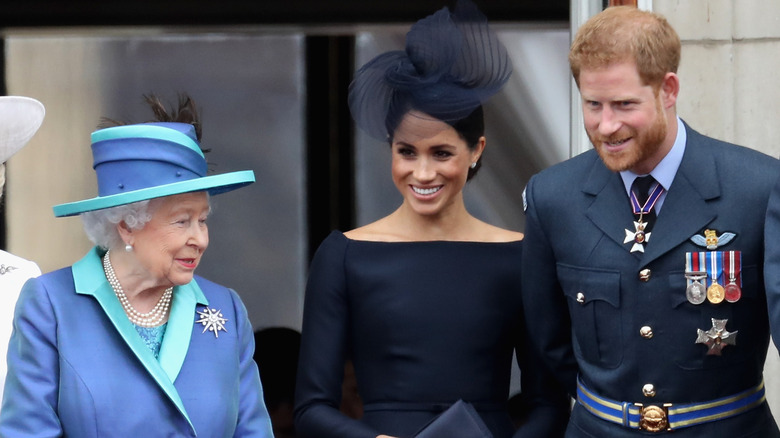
x=129 y=341
x=20 y=118
x=425 y=301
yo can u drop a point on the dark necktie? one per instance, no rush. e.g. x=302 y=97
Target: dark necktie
x=641 y=188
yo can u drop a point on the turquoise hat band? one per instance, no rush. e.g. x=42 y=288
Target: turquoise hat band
x=214 y=185
x=149 y=131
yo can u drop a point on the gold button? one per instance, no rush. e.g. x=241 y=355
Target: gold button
x=646 y=332
x=648 y=390
x=644 y=274
x=580 y=297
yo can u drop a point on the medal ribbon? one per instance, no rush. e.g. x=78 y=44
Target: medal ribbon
x=715 y=261
x=733 y=259
x=694 y=261
x=658 y=189
x=688 y=266
x=691 y=262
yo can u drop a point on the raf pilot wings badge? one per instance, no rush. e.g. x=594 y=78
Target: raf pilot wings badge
x=711 y=240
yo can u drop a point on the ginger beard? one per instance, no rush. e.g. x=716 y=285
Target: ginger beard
x=647 y=142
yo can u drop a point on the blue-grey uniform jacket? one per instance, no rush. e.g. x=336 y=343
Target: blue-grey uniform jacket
x=620 y=320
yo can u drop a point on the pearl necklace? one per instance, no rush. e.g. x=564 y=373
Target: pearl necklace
x=154 y=317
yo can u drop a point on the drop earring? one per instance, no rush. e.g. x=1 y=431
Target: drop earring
x=128 y=248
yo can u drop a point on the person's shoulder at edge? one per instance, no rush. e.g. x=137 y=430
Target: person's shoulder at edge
x=384 y=231
x=13 y=262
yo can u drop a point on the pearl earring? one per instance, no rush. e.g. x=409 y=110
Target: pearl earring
x=474 y=165
x=128 y=248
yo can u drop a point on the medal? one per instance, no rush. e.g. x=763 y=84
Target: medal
x=696 y=292
x=732 y=265
x=715 y=293
x=640 y=236
x=732 y=292
x=717 y=337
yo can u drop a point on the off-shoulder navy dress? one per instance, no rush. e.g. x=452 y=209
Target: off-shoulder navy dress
x=426 y=324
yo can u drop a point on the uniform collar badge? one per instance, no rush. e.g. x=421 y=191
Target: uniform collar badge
x=711 y=240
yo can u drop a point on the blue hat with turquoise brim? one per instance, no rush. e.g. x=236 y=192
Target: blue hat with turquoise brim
x=150 y=160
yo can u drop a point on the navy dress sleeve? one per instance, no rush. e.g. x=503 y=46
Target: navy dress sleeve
x=544 y=403
x=324 y=349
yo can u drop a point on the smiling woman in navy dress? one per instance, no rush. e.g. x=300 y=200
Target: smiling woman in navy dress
x=425 y=301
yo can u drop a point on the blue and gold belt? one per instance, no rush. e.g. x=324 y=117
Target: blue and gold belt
x=668 y=416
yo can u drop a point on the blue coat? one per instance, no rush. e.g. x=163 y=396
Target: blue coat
x=586 y=300
x=77 y=367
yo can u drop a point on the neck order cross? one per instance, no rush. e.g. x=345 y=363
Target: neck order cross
x=643 y=200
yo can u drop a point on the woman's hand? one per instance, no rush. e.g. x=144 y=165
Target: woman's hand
x=385 y=436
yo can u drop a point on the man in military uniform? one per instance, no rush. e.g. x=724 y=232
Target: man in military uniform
x=647 y=296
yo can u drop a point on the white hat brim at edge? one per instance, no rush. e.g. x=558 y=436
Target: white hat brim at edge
x=20 y=118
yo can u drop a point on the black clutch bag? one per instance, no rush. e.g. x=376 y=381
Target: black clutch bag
x=460 y=420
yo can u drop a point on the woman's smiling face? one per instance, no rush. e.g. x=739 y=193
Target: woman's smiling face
x=430 y=163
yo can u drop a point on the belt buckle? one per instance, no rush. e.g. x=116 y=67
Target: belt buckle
x=654 y=418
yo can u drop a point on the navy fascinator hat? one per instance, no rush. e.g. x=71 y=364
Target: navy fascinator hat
x=452 y=64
